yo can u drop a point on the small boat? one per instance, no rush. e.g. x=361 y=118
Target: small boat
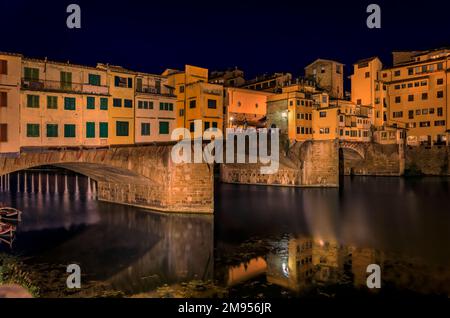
x=10 y=214
x=7 y=230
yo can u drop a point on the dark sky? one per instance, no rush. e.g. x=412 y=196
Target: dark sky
x=257 y=36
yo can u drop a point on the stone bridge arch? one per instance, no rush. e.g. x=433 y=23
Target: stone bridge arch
x=142 y=176
x=357 y=147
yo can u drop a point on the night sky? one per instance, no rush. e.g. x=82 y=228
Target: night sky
x=257 y=36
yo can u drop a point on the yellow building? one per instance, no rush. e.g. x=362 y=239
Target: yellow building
x=245 y=108
x=155 y=109
x=121 y=111
x=417 y=95
x=62 y=105
x=269 y=83
x=369 y=90
x=196 y=98
x=291 y=110
x=342 y=120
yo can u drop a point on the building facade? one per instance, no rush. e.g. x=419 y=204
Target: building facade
x=328 y=75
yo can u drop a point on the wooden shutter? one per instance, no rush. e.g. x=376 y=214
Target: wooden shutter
x=3 y=67
x=3 y=99
x=3 y=132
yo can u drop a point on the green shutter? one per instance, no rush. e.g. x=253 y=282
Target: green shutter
x=31 y=74
x=122 y=128
x=103 y=103
x=90 y=130
x=94 y=79
x=117 y=102
x=69 y=130
x=163 y=127
x=52 y=130
x=90 y=102
x=33 y=130
x=52 y=102
x=69 y=103
x=145 y=129
x=33 y=101
x=103 y=130
x=66 y=80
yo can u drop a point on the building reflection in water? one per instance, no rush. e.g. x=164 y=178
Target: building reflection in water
x=129 y=249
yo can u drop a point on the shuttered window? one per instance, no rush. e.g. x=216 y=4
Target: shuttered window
x=163 y=128
x=33 y=101
x=69 y=103
x=52 y=102
x=90 y=102
x=66 y=80
x=122 y=128
x=33 y=130
x=3 y=132
x=4 y=67
x=103 y=130
x=145 y=129
x=3 y=99
x=52 y=130
x=69 y=130
x=31 y=74
x=90 y=130
x=103 y=103
x=94 y=79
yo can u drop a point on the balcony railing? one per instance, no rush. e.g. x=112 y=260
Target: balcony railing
x=145 y=89
x=47 y=85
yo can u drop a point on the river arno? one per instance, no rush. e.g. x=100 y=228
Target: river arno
x=261 y=242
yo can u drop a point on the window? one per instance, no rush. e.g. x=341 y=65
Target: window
x=212 y=103
x=128 y=103
x=440 y=81
x=440 y=94
x=32 y=101
x=122 y=128
x=367 y=74
x=439 y=123
x=358 y=101
x=411 y=114
x=3 y=99
x=94 y=79
x=90 y=130
x=117 y=102
x=123 y=82
x=398 y=99
x=384 y=75
x=181 y=88
x=397 y=73
x=66 y=80
x=418 y=112
x=214 y=125
x=440 y=111
x=425 y=111
x=31 y=74
x=440 y=66
x=3 y=132
x=191 y=127
x=103 y=130
x=192 y=103
x=90 y=102
x=4 y=67
x=431 y=111
x=145 y=129
x=423 y=83
x=69 y=130
x=424 y=96
x=69 y=103
x=410 y=71
x=410 y=98
x=103 y=103
x=181 y=112
x=52 y=130
x=323 y=114
x=52 y=102
x=397 y=114
x=397 y=87
x=298 y=130
x=324 y=99
x=207 y=125
x=163 y=127
x=424 y=124
x=166 y=106
x=32 y=130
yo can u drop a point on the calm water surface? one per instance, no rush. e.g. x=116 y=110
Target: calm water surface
x=261 y=242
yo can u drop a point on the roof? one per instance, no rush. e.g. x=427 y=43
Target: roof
x=366 y=60
x=323 y=60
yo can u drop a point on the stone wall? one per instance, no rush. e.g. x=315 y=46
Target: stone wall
x=307 y=164
x=423 y=160
x=372 y=159
x=142 y=176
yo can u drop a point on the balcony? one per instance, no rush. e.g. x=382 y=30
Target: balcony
x=154 y=90
x=58 y=86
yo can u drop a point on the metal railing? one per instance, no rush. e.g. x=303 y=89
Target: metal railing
x=48 y=85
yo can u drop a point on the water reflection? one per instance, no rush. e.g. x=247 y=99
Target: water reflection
x=301 y=241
